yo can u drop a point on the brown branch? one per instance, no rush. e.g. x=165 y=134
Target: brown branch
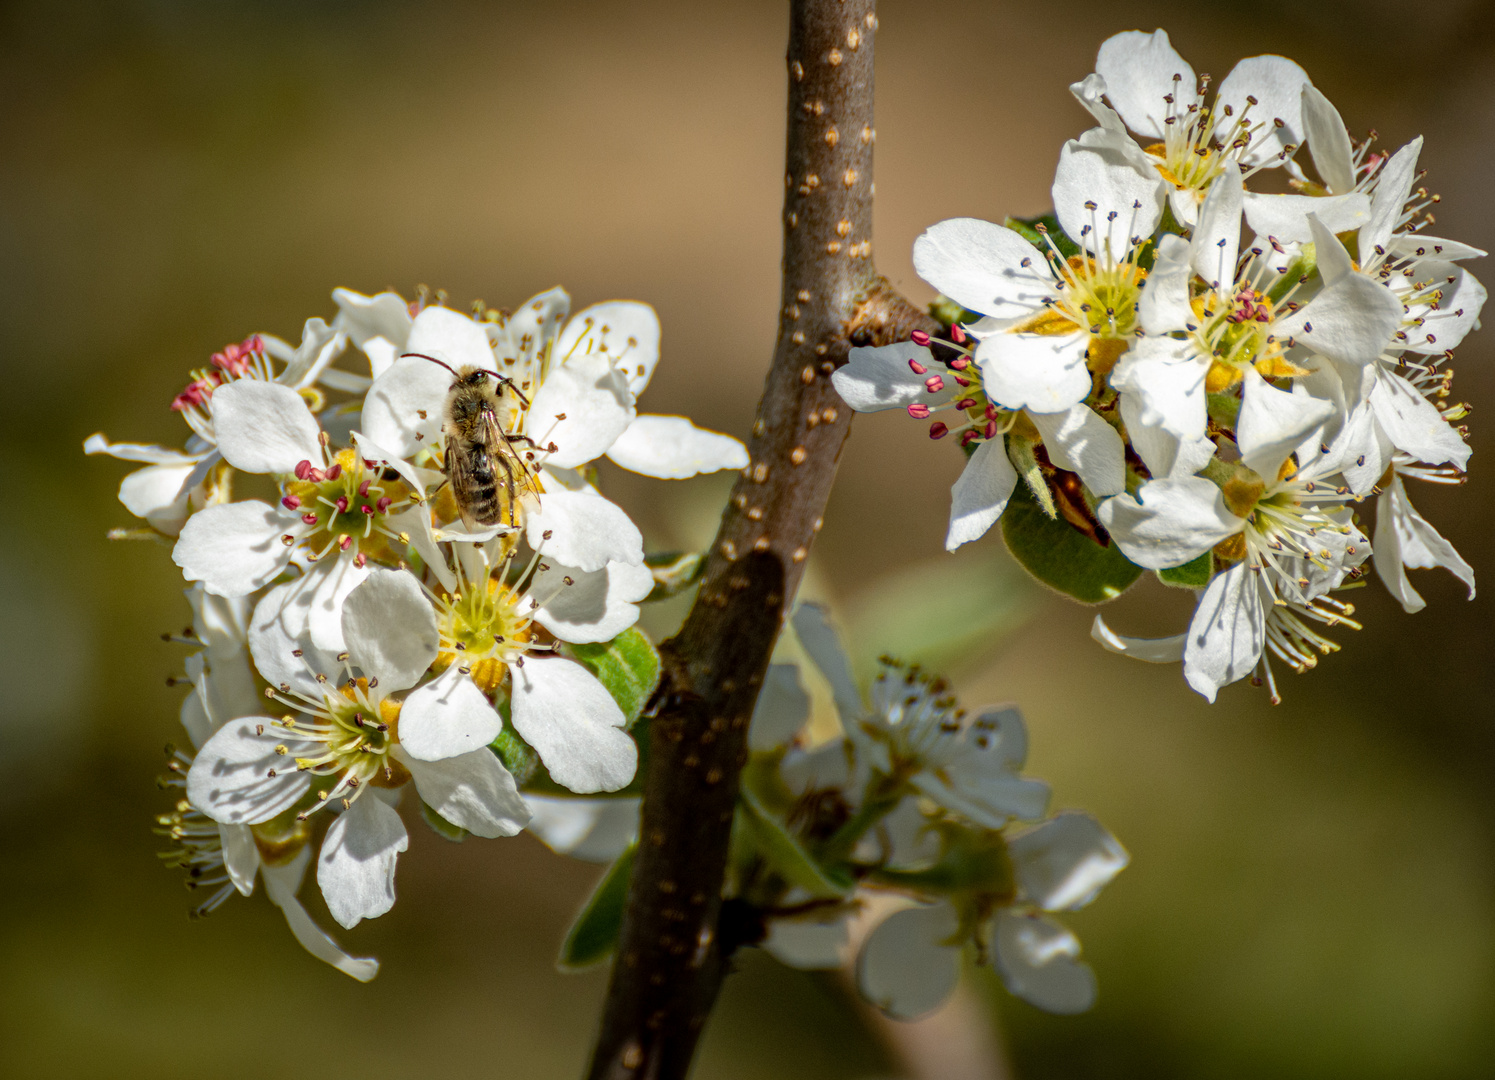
x=673 y=947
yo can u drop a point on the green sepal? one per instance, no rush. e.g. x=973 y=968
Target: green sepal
x=1224 y=409
x=517 y=755
x=628 y=666
x=440 y=825
x=784 y=854
x=674 y=572
x=1028 y=229
x=1021 y=452
x=1191 y=575
x=1062 y=557
x=594 y=933
x=1299 y=270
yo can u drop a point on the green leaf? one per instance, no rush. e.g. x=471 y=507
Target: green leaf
x=594 y=934
x=441 y=826
x=1062 y=557
x=784 y=853
x=1191 y=575
x=1028 y=229
x=627 y=666
x=674 y=572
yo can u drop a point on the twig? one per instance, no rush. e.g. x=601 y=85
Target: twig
x=673 y=947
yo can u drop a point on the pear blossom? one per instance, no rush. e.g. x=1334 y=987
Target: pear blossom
x=338 y=510
x=163 y=492
x=575 y=383
x=910 y=962
x=1404 y=539
x=345 y=745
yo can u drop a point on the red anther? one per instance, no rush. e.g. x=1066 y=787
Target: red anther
x=341 y=504
x=963 y=382
x=303 y=469
x=360 y=559
x=991 y=429
x=991 y=413
x=345 y=543
x=919 y=412
x=334 y=472
x=383 y=504
x=968 y=438
x=938 y=430
x=291 y=502
x=934 y=384
x=310 y=519
x=919 y=337
x=368 y=510
x=957 y=335
x=916 y=367
x=254 y=343
x=965 y=403
x=363 y=488
x=960 y=363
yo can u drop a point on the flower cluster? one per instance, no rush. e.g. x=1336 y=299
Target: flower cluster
x=360 y=636
x=1210 y=375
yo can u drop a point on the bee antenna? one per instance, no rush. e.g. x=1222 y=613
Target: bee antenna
x=423 y=356
x=510 y=384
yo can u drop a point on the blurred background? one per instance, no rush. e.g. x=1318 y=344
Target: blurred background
x=1312 y=890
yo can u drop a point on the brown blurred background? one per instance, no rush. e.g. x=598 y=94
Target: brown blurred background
x=1312 y=891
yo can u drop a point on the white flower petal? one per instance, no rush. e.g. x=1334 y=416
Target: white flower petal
x=281 y=885
x=320 y=346
x=146 y=452
x=583 y=530
x=532 y=330
x=264 y=427
x=1276 y=83
x=1393 y=186
x=1285 y=217
x=384 y=315
x=979 y=496
x=573 y=723
x=1164 y=306
x=1106 y=199
x=783 y=708
x=390 y=628
x=447 y=717
x=1080 y=441
x=1414 y=424
x=235 y=548
x=230 y=778
x=1039 y=372
x=1217 y=237
x=1166 y=378
x=328 y=585
x=1405 y=539
x=593 y=830
x=1328 y=141
x=472 y=791
x=823 y=646
x=1273 y=423
x=672 y=448
x=278 y=629
x=1446 y=320
x=393 y=406
x=984 y=267
x=807 y=944
x=596 y=606
x=1351 y=321
x=1088 y=92
x=1064 y=862
x=1227 y=632
x=581 y=408
x=1169 y=522
x=1416 y=246
x=1039 y=962
x=356 y=866
x=159 y=494
x=626 y=330
x=1140 y=70
x=905 y=967
x=883 y=378
x=450 y=336
x=241 y=859
x=1168 y=650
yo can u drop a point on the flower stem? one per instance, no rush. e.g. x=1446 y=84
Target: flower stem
x=673 y=947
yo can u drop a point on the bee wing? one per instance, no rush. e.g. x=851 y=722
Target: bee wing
x=520 y=475
x=459 y=474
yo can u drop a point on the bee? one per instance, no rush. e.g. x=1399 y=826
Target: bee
x=487 y=474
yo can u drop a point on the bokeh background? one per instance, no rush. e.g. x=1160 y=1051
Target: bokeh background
x=1312 y=891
